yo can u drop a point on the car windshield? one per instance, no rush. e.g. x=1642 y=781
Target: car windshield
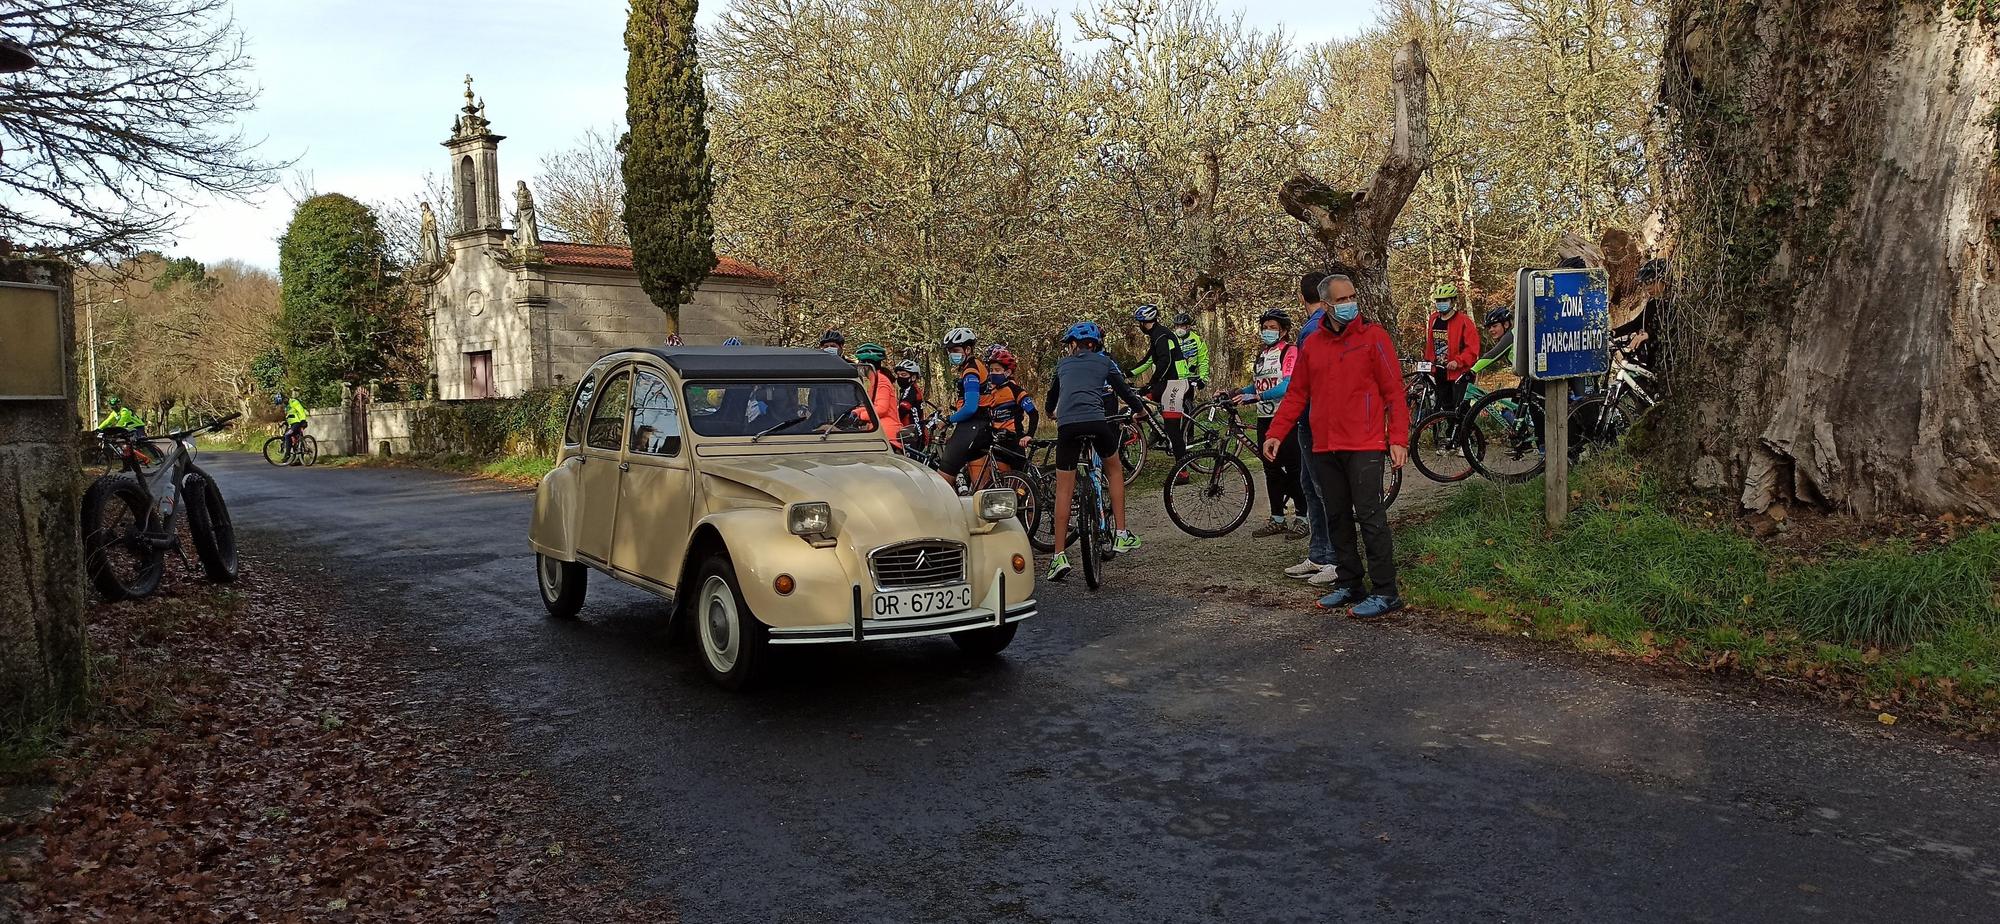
x=778 y=408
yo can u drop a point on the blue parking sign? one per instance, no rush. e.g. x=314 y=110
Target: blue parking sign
x=1566 y=317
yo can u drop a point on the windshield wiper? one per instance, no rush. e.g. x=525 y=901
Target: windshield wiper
x=802 y=418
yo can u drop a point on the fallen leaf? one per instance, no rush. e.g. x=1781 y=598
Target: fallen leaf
x=1885 y=718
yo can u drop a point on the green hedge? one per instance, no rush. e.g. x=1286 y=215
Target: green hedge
x=532 y=422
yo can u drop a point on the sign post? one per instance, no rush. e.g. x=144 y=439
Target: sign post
x=1565 y=319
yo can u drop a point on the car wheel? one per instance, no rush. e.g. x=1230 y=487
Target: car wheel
x=733 y=641
x=562 y=584
x=987 y=642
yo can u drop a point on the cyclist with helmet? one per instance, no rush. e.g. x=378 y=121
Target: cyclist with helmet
x=1193 y=348
x=881 y=390
x=833 y=342
x=1082 y=424
x=1169 y=384
x=1500 y=333
x=972 y=435
x=1273 y=374
x=1454 y=345
x=120 y=416
x=295 y=420
x=732 y=341
x=1012 y=410
x=909 y=390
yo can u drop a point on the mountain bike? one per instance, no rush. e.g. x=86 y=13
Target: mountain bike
x=1138 y=436
x=1420 y=387
x=1504 y=441
x=1210 y=493
x=1443 y=443
x=1092 y=503
x=131 y=519
x=283 y=450
x=925 y=443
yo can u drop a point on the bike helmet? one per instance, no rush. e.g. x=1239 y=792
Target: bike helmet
x=959 y=337
x=277 y=399
x=1445 y=291
x=1280 y=315
x=112 y=400
x=1502 y=315
x=871 y=353
x=1183 y=320
x=910 y=366
x=1084 y=330
x=1145 y=313
x=833 y=337
x=1001 y=357
x=732 y=342
x=994 y=349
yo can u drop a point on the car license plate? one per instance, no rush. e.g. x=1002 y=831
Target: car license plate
x=930 y=601
x=1423 y=367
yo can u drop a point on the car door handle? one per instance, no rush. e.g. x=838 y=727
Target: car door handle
x=624 y=466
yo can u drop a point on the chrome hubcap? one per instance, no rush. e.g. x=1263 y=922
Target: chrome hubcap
x=719 y=631
x=551 y=578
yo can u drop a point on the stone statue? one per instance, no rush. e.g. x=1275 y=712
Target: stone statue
x=527 y=234
x=427 y=244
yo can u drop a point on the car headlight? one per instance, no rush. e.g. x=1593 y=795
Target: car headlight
x=813 y=518
x=996 y=504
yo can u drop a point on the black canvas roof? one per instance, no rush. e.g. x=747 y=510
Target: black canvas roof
x=748 y=362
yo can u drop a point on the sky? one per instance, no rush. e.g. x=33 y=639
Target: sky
x=362 y=95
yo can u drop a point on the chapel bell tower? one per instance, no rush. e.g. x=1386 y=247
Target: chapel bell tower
x=475 y=172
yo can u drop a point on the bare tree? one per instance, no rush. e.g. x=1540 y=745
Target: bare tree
x=581 y=193
x=126 y=119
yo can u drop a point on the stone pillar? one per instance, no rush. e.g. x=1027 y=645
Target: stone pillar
x=42 y=660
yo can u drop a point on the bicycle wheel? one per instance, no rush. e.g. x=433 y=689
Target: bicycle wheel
x=1437 y=447
x=309 y=450
x=122 y=563
x=209 y=525
x=1132 y=443
x=1510 y=436
x=1215 y=499
x=1088 y=510
x=1420 y=389
x=1392 y=484
x=274 y=450
x=1595 y=426
x=1027 y=502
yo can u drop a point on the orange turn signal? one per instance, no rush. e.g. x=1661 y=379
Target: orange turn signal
x=784 y=584
x=1020 y=564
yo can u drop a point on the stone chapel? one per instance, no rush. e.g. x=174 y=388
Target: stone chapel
x=508 y=311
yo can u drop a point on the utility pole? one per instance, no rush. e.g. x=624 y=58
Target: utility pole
x=90 y=347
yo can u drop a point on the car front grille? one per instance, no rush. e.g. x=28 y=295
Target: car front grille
x=923 y=563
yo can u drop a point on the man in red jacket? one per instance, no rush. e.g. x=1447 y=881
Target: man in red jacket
x=1453 y=346
x=1348 y=374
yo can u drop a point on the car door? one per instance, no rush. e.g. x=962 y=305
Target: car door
x=656 y=489
x=602 y=454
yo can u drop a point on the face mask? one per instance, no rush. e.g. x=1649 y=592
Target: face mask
x=1345 y=312
x=1180 y=331
x=1445 y=308
x=832 y=349
x=998 y=377
x=1270 y=337
x=957 y=359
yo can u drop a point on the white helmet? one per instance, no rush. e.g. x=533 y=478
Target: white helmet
x=959 y=337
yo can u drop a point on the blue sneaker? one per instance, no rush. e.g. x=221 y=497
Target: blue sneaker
x=1340 y=597
x=1377 y=606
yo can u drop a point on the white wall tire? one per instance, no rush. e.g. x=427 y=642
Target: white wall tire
x=733 y=641
x=562 y=584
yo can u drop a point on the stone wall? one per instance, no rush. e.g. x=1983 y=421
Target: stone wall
x=42 y=658
x=393 y=421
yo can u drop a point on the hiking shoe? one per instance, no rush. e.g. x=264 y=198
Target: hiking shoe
x=1340 y=597
x=1059 y=566
x=1304 y=569
x=1270 y=528
x=1326 y=575
x=1126 y=542
x=1378 y=606
x=1298 y=527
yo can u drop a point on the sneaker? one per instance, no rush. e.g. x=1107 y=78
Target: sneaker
x=1298 y=527
x=1059 y=566
x=1181 y=477
x=1340 y=597
x=1125 y=542
x=1270 y=528
x=1304 y=569
x=1326 y=575
x=1378 y=606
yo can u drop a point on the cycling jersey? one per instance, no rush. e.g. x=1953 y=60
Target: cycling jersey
x=1164 y=360
x=295 y=412
x=122 y=418
x=1272 y=376
x=974 y=395
x=1011 y=409
x=1195 y=350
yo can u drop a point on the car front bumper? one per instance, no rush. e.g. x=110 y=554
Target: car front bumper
x=991 y=613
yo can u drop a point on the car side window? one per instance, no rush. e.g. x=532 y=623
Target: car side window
x=579 y=410
x=607 y=419
x=656 y=422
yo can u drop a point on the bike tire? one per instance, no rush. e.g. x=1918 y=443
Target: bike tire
x=1420 y=390
x=1437 y=447
x=1087 y=524
x=1027 y=500
x=1392 y=484
x=1217 y=482
x=1132 y=449
x=274 y=450
x=309 y=450
x=1594 y=426
x=209 y=525
x=118 y=566
x=1506 y=448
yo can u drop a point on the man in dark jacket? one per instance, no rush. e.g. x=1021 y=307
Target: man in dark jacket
x=1348 y=373
x=1169 y=384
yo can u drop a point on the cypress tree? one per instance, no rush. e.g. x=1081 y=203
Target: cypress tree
x=668 y=179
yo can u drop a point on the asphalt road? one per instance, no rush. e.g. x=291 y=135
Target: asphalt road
x=1141 y=756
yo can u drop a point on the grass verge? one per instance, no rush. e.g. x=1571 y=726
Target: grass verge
x=1891 y=626
x=521 y=470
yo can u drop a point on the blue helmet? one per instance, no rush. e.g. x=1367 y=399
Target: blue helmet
x=732 y=342
x=1146 y=313
x=1084 y=330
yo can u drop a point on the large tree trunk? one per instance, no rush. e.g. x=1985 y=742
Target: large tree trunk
x=1834 y=337
x=1354 y=227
